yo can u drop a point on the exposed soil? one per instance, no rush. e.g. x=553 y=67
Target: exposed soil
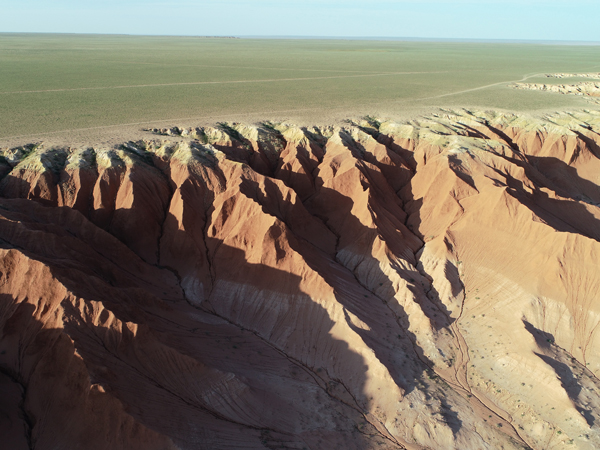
x=372 y=284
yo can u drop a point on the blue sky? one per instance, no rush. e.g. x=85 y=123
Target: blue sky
x=482 y=19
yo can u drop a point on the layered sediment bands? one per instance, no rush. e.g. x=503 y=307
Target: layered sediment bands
x=590 y=90
x=425 y=285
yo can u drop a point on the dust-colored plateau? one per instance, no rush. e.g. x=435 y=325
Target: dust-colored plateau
x=431 y=284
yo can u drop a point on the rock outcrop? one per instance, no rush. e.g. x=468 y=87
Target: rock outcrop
x=424 y=285
x=595 y=75
x=590 y=90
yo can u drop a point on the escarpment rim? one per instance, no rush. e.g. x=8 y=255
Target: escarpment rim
x=421 y=284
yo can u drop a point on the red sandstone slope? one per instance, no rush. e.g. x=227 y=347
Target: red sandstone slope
x=423 y=285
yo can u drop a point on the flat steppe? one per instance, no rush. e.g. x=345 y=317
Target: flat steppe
x=97 y=89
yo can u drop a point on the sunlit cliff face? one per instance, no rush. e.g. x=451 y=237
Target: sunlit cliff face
x=425 y=285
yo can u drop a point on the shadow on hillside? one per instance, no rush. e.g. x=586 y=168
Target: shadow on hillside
x=269 y=339
x=563 y=372
x=563 y=215
x=565 y=180
x=387 y=330
x=385 y=317
x=252 y=306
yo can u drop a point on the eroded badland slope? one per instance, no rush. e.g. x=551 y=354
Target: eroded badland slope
x=426 y=285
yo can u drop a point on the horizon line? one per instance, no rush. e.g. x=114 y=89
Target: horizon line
x=333 y=38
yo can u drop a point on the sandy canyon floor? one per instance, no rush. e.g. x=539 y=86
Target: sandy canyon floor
x=422 y=284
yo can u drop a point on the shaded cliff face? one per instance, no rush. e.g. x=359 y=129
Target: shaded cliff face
x=426 y=285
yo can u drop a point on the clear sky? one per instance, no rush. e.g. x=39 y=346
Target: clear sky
x=572 y=20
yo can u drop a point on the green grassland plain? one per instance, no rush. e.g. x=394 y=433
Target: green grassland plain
x=53 y=84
